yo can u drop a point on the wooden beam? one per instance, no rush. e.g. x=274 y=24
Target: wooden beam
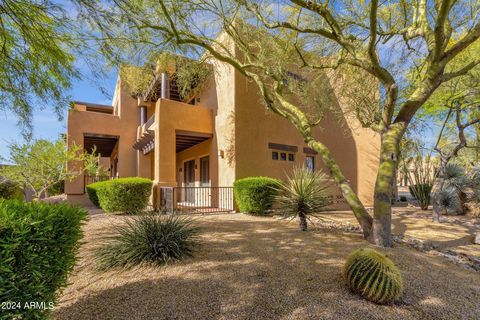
x=282 y=147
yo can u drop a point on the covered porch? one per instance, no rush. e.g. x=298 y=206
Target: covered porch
x=185 y=158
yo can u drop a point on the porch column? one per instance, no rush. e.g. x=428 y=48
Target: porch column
x=164 y=93
x=143 y=115
x=164 y=155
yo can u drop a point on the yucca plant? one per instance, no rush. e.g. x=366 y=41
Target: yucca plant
x=304 y=194
x=448 y=199
x=373 y=275
x=455 y=177
x=151 y=238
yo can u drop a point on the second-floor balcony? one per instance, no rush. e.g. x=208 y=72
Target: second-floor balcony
x=188 y=125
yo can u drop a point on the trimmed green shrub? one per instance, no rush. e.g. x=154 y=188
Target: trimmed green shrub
x=255 y=195
x=421 y=192
x=38 y=243
x=126 y=195
x=92 y=192
x=373 y=275
x=153 y=239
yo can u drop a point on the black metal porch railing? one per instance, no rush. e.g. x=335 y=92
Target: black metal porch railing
x=93 y=179
x=199 y=200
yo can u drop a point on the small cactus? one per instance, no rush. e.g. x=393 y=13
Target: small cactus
x=373 y=275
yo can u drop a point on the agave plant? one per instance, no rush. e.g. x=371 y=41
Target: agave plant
x=304 y=194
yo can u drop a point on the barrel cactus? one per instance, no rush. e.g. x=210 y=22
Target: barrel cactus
x=373 y=275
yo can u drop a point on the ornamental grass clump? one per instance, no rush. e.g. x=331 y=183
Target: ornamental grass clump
x=151 y=239
x=373 y=275
x=304 y=194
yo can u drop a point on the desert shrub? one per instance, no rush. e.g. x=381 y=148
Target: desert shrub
x=126 y=195
x=92 y=191
x=38 y=243
x=9 y=190
x=151 y=239
x=474 y=209
x=255 y=195
x=373 y=275
x=421 y=192
x=57 y=188
x=304 y=194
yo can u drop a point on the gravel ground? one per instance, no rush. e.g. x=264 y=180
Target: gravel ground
x=456 y=236
x=262 y=268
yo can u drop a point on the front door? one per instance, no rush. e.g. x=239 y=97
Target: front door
x=189 y=180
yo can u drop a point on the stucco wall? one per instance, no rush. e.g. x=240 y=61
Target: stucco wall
x=355 y=150
x=219 y=95
x=125 y=126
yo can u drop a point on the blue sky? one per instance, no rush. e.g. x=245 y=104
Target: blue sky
x=45 y=122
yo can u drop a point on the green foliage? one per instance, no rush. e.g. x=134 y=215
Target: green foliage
x=38 y=243
x=92 y=192
x=126 y=195
x=57 y=188
x=92 y=165
x=41 y=164
x=419 y=170
x=189 y=75
x=9 y=190
x=255 y=195
x=152 y=239
x=422 y=193
x=305 y=193
x=37 y=64
x=373 y=275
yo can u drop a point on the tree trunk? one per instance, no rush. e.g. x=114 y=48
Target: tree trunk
x=437 y=188
x=303 y=222
x=363 y=218
x=382 y=208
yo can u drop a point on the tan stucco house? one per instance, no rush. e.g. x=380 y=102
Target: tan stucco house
x=221 y=134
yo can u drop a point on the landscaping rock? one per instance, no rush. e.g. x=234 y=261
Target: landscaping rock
x=477 y=238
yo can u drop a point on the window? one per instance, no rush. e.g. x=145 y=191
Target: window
x=205 y=171
x=283 y=156
x=310 y=163
x=274 y=155
x=291 y=157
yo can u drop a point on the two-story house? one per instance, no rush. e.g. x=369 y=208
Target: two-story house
x=195 y=149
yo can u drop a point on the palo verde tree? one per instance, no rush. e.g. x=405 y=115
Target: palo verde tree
x=455 y=105
x=36 y=64
x=287 y=47
x=41 y=46
x=40 y=164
